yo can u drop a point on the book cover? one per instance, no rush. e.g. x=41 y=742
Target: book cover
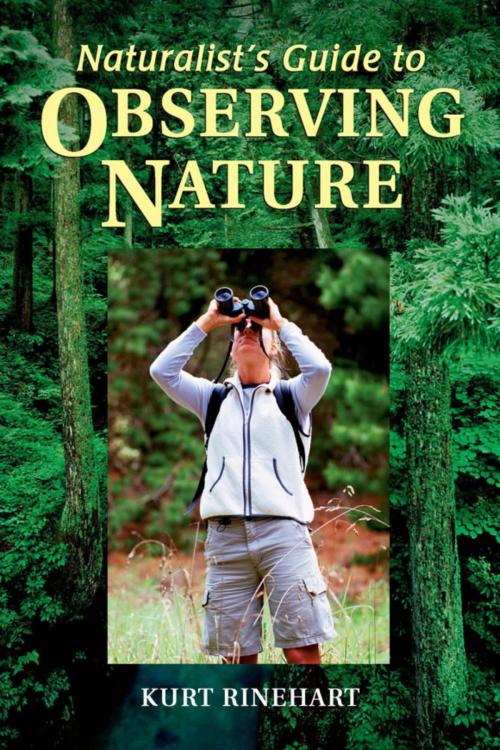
x=342 y=155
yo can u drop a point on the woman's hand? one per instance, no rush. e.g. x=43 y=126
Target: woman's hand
x=275 y=321
x=213 y=318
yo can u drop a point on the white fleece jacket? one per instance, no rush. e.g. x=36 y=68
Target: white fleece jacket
x=253 y=466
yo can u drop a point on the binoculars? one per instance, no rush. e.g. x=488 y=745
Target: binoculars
x=257 y=305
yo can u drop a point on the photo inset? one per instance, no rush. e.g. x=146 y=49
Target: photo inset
x=248 y=416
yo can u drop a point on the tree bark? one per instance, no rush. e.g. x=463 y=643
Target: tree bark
x=128 y=237
x=23 y=256
x=80 y=522
x=438 y=640
x=52 y=249
x=421 y=194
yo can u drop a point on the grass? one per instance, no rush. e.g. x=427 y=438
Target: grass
x=148 y=627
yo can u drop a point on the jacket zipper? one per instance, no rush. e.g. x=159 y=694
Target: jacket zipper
x=247 y=489
x=249 y=453
x=244 y=453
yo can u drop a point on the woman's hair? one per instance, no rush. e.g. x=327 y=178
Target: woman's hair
x=279 y=357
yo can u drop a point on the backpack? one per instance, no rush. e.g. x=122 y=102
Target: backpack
x=286 y=404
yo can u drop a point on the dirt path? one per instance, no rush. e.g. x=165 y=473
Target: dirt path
x=351 y=556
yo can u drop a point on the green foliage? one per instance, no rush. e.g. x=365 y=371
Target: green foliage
x=360 y=288
x=476 y=519
x=28 y=73
x=31 y=452
x=474 y=726
x=353 y=280
x=153 y=442
x=382 y=720
x=475 y=382
x=32 y=466
x=447 y=295
x=478 y=133
x=360 y=421
x=397 y=439
x=482 y=617
x=33 y=558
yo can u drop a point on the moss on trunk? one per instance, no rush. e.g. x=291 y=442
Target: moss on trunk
x=80 y=523
x=438 y=640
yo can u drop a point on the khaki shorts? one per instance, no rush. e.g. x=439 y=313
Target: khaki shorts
x=246 y=558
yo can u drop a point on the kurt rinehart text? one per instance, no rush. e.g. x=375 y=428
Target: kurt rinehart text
x=165 y=697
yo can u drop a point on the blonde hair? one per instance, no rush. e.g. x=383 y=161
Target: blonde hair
x=279 y=356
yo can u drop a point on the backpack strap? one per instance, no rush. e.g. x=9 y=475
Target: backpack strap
x=217 y=396
x=284 y=399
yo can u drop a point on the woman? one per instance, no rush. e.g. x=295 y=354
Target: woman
x=254 y=499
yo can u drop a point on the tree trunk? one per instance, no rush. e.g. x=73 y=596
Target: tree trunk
x=319 y=218
x=421 y=194
x=23 y=257
x=52 y=249
x=440 y=662
x=155 y=148
x=128 y=237
x=80 y=523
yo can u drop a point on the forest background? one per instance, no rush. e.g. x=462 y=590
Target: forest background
x=444 y=358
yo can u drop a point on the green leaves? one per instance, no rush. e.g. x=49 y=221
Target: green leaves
x=358 y=434
x=360 y=288
x=27 y=74
x=476 y=519
x=446 y=296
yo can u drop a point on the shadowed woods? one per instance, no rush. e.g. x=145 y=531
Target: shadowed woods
x=181 y=727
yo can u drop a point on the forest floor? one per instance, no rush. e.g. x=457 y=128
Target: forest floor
x=162 y=590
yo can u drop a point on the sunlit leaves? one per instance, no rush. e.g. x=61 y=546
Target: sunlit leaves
x=447 y=295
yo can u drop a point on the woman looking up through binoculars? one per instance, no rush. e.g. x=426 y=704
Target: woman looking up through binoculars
x=253 y=496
